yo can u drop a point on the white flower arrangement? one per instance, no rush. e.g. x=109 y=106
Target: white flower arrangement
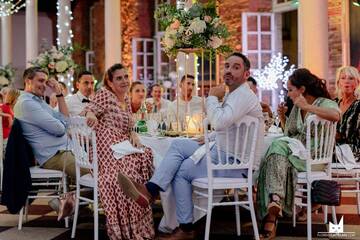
x=197 y=26
x=7 y=74
x=55 y=61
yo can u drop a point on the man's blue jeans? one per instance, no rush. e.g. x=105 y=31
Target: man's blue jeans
x=178 y=169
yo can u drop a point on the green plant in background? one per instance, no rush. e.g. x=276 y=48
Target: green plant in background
x=198 y=27
x=7 y=74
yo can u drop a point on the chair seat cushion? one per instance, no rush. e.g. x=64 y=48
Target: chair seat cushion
x=221 y=183
x=315 y=175
x=87 y=180
x=37 y=172
x=340 y=166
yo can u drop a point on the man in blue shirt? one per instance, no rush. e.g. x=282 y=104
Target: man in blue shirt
x=44 y=128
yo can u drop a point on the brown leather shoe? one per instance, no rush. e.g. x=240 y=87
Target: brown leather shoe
x=177 y=235
x=134 y=190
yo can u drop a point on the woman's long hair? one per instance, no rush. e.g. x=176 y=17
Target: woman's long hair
x=314 y=86
x=11 y=97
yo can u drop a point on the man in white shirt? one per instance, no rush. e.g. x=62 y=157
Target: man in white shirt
x=158 y=103
x=85 y=85
x=178 y=169
x=188 y=104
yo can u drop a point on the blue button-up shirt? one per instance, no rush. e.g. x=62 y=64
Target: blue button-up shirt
x=43 y=128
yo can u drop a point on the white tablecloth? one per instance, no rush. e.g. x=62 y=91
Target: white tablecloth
x=160 y=146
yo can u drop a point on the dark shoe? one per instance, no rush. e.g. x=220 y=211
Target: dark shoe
x=134 y=190
x=178 y=235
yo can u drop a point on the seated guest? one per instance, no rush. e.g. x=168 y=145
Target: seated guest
x=4 y=92
x=7 y=112
x=44 y=128
x=64 y=89
x=178 y=169
x=253 y=86
x=137 y=98
x=188 y=104
x=276 y=182
x=85 y=88
x=109 y=112
x=158 y=103
x=347 y=84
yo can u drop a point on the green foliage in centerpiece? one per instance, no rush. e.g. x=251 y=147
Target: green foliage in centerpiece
x=199 y=27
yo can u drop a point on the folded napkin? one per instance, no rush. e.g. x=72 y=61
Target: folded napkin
x=200 y=152
x=345 y=156
x=124 y=148
x=274 y=129
x=297 y=148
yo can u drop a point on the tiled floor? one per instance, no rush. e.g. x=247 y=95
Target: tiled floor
x=42 y=224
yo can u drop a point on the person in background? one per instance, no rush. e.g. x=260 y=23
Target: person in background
x=137 y=97
x=332 y=91
x=85 y=88
x=253 y=86
x=64 y=89
x=347 y=87
x=7 y=112
x=110 y=115
x=4 y=91
x=188 y=104
x=158 y=103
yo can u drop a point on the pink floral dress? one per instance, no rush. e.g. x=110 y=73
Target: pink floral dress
x=125 y=219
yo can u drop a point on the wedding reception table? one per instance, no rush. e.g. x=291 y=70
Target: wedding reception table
x=160 y=146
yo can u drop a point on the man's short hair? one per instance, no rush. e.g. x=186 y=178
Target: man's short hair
x=244 y=58
x=251 y=79
x=185 y=77
x=82 y=74
x=30 y=72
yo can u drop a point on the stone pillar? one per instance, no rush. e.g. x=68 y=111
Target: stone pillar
x=313 y=36
x=31 y=30
x=112 y=32
x=6 y=40
x=64 y=23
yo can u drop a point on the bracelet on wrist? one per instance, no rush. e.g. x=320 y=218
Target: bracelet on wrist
x=59 y=95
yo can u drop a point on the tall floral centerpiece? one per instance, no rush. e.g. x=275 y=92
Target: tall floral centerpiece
x=192 y=29
x=7 y=74
x=58 y=63
x=198 y=27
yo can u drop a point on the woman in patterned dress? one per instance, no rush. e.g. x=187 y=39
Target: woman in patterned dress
x=347 y=87
x=109 y=113
x=277 y=178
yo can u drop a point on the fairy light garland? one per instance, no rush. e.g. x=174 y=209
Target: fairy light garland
x=64 y=26
x=8 y=7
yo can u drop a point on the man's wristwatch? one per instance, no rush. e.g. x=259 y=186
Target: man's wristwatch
x=59 y=95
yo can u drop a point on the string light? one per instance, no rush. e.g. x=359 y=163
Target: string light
x=64 y=27
x=8 y=7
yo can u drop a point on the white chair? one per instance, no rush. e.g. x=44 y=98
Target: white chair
x=349 y=180
x=84 y=148
x=44 y=178
x=321 y=133
x=237 y=152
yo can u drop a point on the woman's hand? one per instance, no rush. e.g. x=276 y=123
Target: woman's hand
x=135 y=140
x=301 y=102
x=91 y=119
x=149 y=107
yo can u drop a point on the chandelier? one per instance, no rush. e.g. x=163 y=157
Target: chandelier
x=8 y=7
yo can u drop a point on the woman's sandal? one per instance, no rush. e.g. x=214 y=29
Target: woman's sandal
x=270 y=226
x=302 y=215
